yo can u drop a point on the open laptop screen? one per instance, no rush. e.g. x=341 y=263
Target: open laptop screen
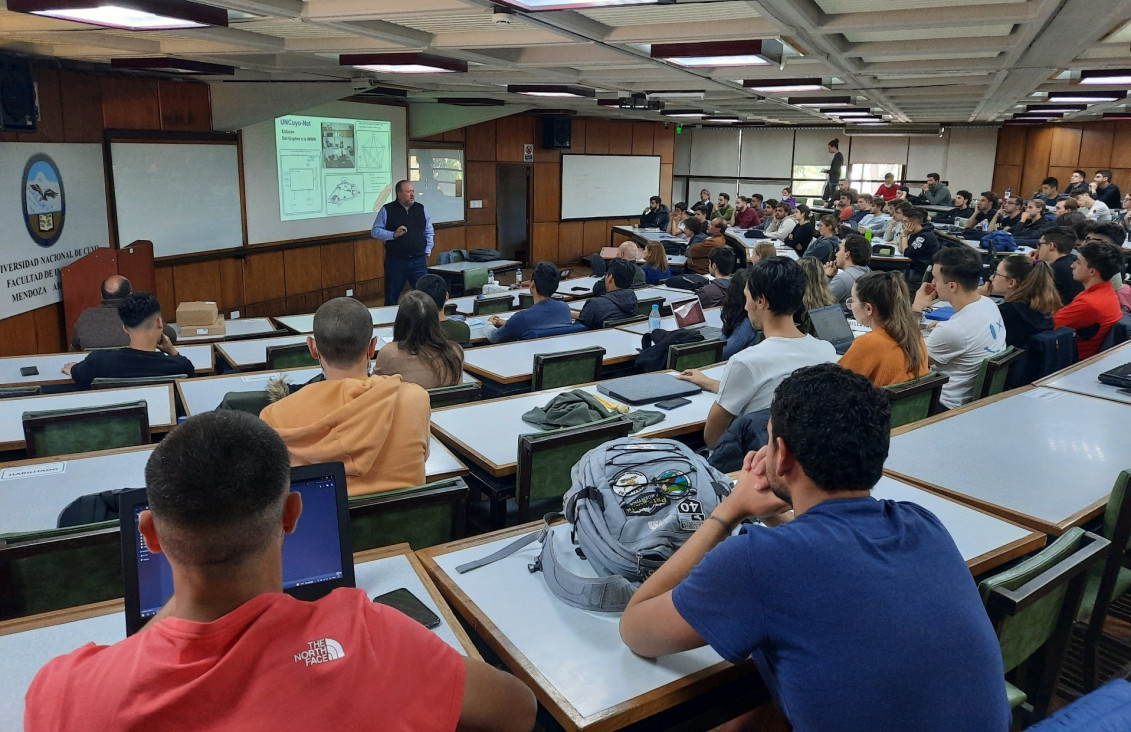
x=316 y=556
x=831 y=324
x=688 y=313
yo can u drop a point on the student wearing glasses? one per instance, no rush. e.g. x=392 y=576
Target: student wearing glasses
x=1030 y=297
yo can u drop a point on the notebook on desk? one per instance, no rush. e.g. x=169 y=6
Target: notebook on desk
x=832 y=326
x=1119 y=376
x=689 y=314
x=317 y=556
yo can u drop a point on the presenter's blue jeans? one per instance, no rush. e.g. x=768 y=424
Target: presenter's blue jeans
x=398 y=271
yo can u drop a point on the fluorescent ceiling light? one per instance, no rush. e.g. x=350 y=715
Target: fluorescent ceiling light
x=676 y=95
x=1114 y=77
x=1061 y=108
x=684 y=113
x=402 y=63
x=723 y=119
x=537 y=6
x=721 y=53
x=1085 y=97
x=550 y=90
x=183 y=66
x=846 y=111
x=784 y=86
x=134 y=15
x=819 y=101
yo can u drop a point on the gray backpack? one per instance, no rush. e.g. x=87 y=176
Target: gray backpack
x=632 y=504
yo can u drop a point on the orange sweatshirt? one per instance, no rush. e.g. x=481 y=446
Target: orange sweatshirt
x=378 y=427
x=877 y=356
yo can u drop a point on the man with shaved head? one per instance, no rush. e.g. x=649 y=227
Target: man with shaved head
x=101 y=327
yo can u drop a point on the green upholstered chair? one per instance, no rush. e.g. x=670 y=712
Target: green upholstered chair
x=525 y=300
x=615 y=322
x=644 y=305
x=106 y=382
x=289 y=356
x=694 y=355
x=473 y=280
x=252 y=402
x=86 y=429
x=916 y=399
x=11 y=392
x=450 y=308
x=449 y=396
x=566 y=368
x=59 y=568
x=423 y=515
x=1032 y=606
x=994 y=371
x=1109 y=580
x=884 y=250
x=491 y=305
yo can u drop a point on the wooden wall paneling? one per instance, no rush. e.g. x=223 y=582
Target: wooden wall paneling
x=305 y=302
x=263 y=278
x=82 y=106
x=542 y=154
x=337 y=264
x=544 y=245
x=547 y=192
x=666 y=183
x=571 y=236
x=456 y=135
x=368 y=260
x=1065 y=150
x=1063 y=176
x=1036 y=164
x=197 y=281
x=302 y=270
x=480 y=237
x=50 y=332
x=1005 y=176
x=1122 y=178
x=594 y=236
x=17 y=334
x=1096 y=145
x=1011 y=141
x=184 y=105
x=480 y=186
x=370 y=292
x=329 y=293
x=511 y=133
x=267 y=309
x=447 y=239
x=231 y=284
x=577 y=134
x=49 y=128
x=1121 y=153
x=165 y=292
x=620 y=138
x=480 y=143
x=642 y=137
x=596 y=137
x=130 y=103
x=663 y=143
x=430 y=138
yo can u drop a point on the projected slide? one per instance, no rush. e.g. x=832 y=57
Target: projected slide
x=332 y=167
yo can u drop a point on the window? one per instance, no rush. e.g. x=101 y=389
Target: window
x=808 y=181
x=868 y=177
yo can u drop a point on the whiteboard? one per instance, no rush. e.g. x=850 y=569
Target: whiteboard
x=437 y=177
x=608 y=186
x=182 y=196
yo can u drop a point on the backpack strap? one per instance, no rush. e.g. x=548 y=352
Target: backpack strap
x=603 y=594
x=511 y=548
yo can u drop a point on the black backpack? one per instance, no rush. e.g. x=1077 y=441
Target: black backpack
x=483 y=255
x=653 y=355
x=91 y=509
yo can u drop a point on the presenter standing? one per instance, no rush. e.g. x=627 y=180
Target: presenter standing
x=406 y=229
x=834 y=169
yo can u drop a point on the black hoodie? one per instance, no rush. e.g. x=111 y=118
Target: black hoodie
x=921 y=248
x=657 y=219
x=1021 y=322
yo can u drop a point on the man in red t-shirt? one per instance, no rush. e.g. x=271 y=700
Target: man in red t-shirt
x=888 y=190
x=1092 y=313
x=230 y=650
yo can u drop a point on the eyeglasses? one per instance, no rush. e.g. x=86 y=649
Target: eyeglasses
x=999 y=274
x=850 y=301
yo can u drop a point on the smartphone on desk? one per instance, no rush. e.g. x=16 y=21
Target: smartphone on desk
x=29 y=371
x=672 y=403
x=402 y=599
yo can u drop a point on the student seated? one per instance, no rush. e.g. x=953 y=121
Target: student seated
x=655 y=216
x=851 y=263
x=436 y=287
x=698 y=251
x=150 y=352
x=957 y=347
x=918 y=243
x=420 y=352
x=618 y=300
x=546 y=312
x=763 y=250
x=676 y=220
x=100 y=327
x=376 y=425
x=803 y=231
x=655 y=263
x=1029 y=294
x=722 y=267
x=817 y=293
x=826 y=242
x=737 y=329
x=894 y=351
x=774 y=291
x=962 y=209
x=1055 y=249
x=222 y=653
x=832 y=607
x=1092 y=313
x=628 y=253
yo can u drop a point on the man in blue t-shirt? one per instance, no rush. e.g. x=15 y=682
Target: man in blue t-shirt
x=859 y=613
x=546 y=312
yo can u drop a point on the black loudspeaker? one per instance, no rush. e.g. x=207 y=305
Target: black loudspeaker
x=17 y=95
x=556 y=133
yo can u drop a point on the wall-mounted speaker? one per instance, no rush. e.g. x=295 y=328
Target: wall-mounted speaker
x=556 y=132
x=17 y=95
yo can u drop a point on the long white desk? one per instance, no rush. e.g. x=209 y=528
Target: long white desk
x=386 y=314
x=498 y=265
x=714 y=318
x=239 y=327
x=205 y=394
x=495 y=450
x=1083 y=377
x=50 y=365
x=578 y=287
x=1040 y=457
x=510 y=363
x=27 y=644
x=252 y=354
x=669 y=294
x=158 y=399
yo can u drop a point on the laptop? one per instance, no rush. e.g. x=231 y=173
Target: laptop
x=1119 y=376
x=689 y=314
x=317 y=557
x=832 y=326
x=647 y=388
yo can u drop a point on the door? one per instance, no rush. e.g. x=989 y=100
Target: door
x=512 y=210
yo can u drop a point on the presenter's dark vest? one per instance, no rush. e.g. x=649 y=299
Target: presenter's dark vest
x=412 y=243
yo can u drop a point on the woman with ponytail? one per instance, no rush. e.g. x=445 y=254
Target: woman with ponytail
x=1030 y=297
x=894 y=351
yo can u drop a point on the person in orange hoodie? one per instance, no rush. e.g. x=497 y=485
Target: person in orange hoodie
x=376 y=425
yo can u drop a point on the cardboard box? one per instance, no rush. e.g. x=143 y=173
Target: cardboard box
x=194 y=314
x=218 y=328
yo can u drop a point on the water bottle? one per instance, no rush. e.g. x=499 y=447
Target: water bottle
x=491 y=277
x=1008 y=192
x=654 y=318
x=518 y=276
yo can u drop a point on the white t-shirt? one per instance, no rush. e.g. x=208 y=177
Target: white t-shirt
x=1099 y=212
x=753 y=373
x=957 y=347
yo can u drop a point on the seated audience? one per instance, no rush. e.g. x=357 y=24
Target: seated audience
x=1076 y=183
x=220 y=505
x=436 y=287
x=957 y=347
x=918 y=243
x=1095 y=210
x=745 y=215
x=826 y=242
x=763 y=250
x=903 y=652
x=803 y=230
x=1008 y=216
x=627 y=252
x=546 y=312
x=618 y=300
x=698 y=253
x=1113 y=234
x=774 y=291
x=851 y=263
x=704 y=204
x=787 y=196
x=1055 y=249
x=875 y=220
x=888 y=190
x=782 y=223
x=655 y=263
x=1065 y=206
x=676 y=219
x=420 y=352
x=1092 y=313
x=1027 y=231
x=893 y=351
x=722 y=267
x=1050 y=192
x=101 y=327
x=655 y=216
x=1029 y=297
x=723 y=209
x=845 y=206
x=962 y=209
x=817 y=292
x=737 y=328
x=695 y=230
x=1104 y=190
x=149 y=353
x=985 y=210
x=894 y=231
x=376 y=425
x=934 y=193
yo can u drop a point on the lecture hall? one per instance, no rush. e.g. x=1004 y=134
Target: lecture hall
x=510 y=325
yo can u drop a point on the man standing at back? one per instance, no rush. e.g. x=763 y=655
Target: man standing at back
x=376 y=425
x=406 y=229
x=223 y=652
x=831 y=606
